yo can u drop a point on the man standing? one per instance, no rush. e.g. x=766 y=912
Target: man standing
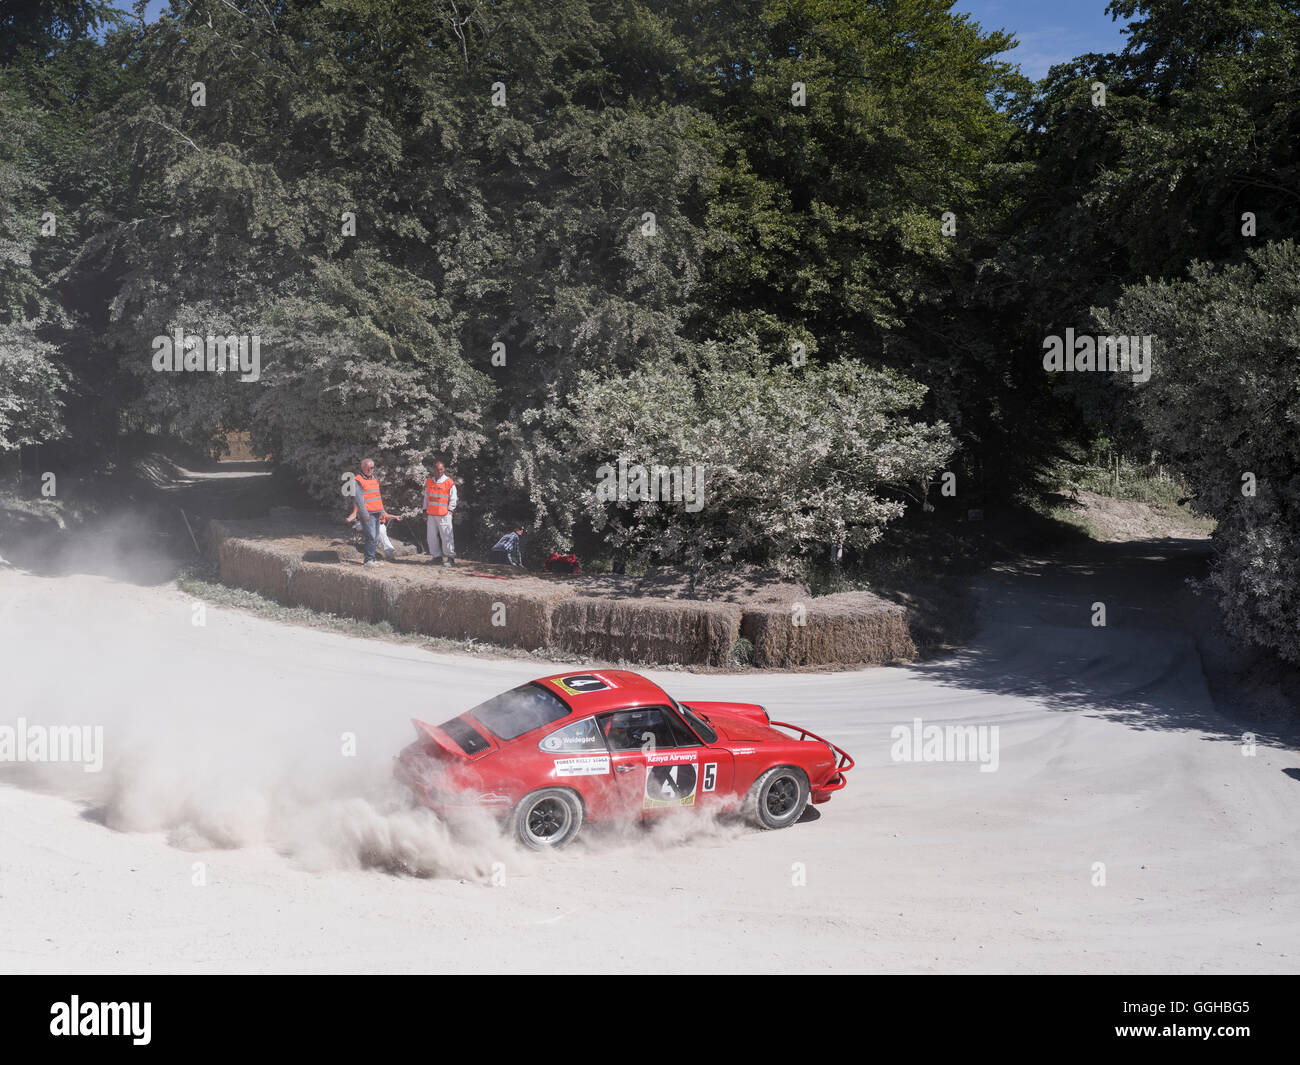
x=440 y=504
x=369 y=507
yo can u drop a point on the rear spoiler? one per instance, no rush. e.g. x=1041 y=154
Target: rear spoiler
x=423 y=730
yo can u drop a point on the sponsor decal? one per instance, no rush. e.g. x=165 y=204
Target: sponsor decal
x=742 y=750
x=670 y=785
x=584 y=736
x=581 y=767
x=669 y=757
x=582 y=683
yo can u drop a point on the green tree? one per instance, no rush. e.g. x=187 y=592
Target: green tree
x=779 y=459
x=1223 y=407
x=32 y=382
x=41 y=26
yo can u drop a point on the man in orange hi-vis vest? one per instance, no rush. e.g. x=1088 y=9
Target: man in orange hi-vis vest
x=439 y=504
x=369 y=507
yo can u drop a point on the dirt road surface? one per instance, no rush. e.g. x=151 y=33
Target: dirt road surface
x=1124 y=829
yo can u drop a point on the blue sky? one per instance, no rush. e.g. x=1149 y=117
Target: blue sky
x=1049 y=31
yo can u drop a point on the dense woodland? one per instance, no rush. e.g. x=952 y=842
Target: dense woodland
x=814 y=246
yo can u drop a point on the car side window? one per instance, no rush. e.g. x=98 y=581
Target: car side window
x=651 y=728
x=581 y=736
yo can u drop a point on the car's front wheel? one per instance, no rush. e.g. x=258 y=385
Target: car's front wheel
x=778 y=797
x=547 y=819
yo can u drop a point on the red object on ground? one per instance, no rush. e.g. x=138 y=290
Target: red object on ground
x=610 y=744
x=562 y=564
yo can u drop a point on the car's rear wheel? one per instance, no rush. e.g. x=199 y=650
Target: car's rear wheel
x=547 y=819
x=778 y=797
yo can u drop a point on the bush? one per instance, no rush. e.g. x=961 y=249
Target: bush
x=788 y=457
x=1223 y=407
x=742 y=652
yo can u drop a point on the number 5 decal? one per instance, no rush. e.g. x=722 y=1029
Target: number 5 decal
x=710 y=776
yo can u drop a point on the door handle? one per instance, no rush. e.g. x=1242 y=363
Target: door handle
x=624 y=768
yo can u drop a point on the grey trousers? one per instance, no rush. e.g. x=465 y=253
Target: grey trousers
x=441 y=541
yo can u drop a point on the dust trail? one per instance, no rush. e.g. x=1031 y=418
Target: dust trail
x=690 y=827
x=210 y=739
x=215 y=737
x=317 y=811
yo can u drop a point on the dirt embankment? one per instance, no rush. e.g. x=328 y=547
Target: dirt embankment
x=300 y=559
x=1116 y=520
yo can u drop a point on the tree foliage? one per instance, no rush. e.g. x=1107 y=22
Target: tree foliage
x=1223 y=407
x=774 y=459
x=32 y=382
x=454 y=226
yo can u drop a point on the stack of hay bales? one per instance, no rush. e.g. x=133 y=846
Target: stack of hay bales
x=647 y=630
x=852 y=628
x=257 y=567
x=348 y=591
x=492 y=612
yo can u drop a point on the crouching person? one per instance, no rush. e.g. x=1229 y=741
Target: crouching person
x=507 y=548
x=439 y=505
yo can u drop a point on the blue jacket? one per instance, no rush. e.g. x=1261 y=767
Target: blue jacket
x=510 y=545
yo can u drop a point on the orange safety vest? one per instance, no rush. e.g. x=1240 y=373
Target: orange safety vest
x=437 y=496
x=370 y=493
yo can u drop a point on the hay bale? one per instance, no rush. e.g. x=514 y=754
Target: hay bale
x=492 y=612
x=647 y=630
x=258 y=567
x=852 y=628
x=348 y=591
x=365 y=595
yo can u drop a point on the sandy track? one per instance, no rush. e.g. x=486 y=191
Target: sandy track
x=1110 y=751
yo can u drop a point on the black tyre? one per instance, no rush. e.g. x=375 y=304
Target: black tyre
x=547 y=819
x=778 y=797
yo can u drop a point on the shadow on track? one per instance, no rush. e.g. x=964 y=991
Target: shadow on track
x=1113 y=630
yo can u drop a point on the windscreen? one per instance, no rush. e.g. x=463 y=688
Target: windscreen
x=519 y=710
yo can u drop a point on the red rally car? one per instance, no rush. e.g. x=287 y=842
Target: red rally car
x=575 y=747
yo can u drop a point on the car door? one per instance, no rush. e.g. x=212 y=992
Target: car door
x=574 y=756
x=659 y=764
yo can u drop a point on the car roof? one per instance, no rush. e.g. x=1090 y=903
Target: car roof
x=594 y=691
